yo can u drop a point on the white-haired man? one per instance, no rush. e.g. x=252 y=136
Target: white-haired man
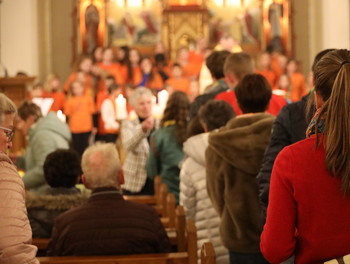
x=107 y=224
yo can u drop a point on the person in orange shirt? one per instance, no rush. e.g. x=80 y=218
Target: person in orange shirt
x=177 y=82
x=80 y=109
x=150 y=77
x=110 y=67
x=38 y=90
x=196 y=56
x=134 y=70
x=53 y=87
x=84 y=65
x=278 y=63
x=189 y=68
x=123 y=63
x=283 y=86
x=298 y=85
x=263 y=68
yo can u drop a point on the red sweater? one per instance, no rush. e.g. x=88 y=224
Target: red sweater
x=307 y=215
x=276 y=102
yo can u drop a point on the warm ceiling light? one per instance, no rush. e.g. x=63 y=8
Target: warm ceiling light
x=219 y=2
x=233 y=2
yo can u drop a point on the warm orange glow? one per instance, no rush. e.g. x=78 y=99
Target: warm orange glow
x=100 y=5
x=185 y=2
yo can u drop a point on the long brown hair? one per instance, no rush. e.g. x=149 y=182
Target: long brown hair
x=332 y=82
x=177 y=109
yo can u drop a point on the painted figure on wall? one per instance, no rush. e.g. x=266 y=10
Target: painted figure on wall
x=275 y=15
x=92 y=20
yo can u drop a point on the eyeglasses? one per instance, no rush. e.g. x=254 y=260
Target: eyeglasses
x=9 y=133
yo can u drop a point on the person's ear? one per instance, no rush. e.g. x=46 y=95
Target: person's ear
x=230 y=78
x=83 y=179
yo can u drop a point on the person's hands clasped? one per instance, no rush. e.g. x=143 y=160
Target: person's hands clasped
x=147 y=124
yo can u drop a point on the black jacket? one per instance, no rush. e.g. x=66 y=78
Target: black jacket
x=289 y=127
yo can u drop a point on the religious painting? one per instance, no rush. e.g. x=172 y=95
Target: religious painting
x=276 y=25
x=242 y=22
x=135 y=25
x=92 y=24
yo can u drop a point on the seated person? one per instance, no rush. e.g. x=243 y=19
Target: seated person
x=45 y=135
x=62 y=171
x=107 y=224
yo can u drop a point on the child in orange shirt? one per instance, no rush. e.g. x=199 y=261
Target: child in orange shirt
x=54 y=89
x=38 y=90
x=298 y=85
x=282 y=87
x=80 y=109
x=178 y=82
x=134 y=70
x=110 y=67
x=190 y=70
x=263 y=68
x=84 y=67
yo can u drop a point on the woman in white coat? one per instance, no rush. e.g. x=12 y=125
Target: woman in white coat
x=193 y=187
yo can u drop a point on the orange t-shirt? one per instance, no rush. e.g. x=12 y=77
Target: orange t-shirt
x=182 y=84
x=298 y=86
x=136 y=75
x=269 y=75
x=113 y=69
x=123 y=72
x=191 y=70
x=88 y=84
x=59 y=100
x=276 y=67
x=197 y=60
x=79 y=109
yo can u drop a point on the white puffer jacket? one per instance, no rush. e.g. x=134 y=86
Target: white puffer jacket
x=15 y=231
x=194 y=196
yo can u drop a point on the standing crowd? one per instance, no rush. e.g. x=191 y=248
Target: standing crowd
x=258 y=158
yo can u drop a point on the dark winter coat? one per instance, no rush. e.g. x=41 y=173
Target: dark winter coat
x=108 y=225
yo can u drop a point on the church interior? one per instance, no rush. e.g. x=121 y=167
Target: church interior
x=190 y=94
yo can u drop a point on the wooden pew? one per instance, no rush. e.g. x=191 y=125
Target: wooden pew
x=187 y=257
x=147 y=199
x=208 y=254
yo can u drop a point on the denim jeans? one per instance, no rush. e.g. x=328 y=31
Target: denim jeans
x=250 y=258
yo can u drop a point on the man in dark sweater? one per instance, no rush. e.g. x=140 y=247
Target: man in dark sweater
x=107 y=224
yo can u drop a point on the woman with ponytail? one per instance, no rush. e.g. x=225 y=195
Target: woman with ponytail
x=309 y=203
x=166 y=143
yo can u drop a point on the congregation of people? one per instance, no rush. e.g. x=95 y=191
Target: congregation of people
x=258 y=158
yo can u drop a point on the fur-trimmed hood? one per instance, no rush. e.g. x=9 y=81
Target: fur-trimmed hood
x=55 y=202
x=243 y=140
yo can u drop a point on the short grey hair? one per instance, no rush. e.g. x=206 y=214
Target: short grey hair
x=101 y=165
x=137 y=93
x=7 y=107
